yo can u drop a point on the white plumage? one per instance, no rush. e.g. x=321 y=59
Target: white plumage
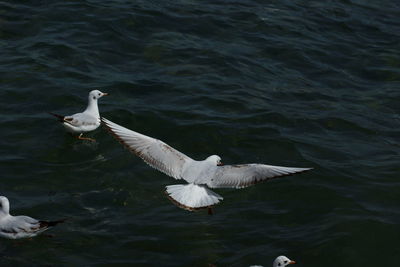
x=192 y=196
x=199 y=174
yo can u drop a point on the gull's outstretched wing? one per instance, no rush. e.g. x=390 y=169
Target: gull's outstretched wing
x=239 y=176
x=153 y=151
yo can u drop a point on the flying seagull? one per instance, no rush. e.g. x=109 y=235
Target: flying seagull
x=15 y=227
x=200 y=175
x=280 y=261
x=86 y=121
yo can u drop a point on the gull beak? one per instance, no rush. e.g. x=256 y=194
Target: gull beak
x=105 y=94
x=220 y=164
x=292 y=262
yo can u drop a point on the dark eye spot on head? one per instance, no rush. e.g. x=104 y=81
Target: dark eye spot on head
x=285 y=261
x=99 y=94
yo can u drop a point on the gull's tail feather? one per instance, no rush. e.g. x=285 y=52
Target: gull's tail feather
x=59 y=117
x=192 y=197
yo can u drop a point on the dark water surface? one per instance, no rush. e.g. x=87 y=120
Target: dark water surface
x=293 y=83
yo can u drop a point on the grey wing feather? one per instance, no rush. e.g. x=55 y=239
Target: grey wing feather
x=21 y=224
x=239 y=176
x=154 y=152
x=80 y=119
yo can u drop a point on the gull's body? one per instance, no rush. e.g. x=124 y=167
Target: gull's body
x=15 y=227
x=86 y=121
x=280 y=261
x=200 y=175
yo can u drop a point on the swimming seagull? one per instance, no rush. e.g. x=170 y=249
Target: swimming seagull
x=199 y=174
x=15 y=227
x=86 y=121
x=280 y=261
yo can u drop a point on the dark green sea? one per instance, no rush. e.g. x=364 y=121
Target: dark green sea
x=292 y=83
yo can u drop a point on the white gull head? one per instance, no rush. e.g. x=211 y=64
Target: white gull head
x=96 y=94
x=282 y=261
x=215 y=160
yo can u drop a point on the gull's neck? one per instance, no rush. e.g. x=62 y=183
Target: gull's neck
x=92 y=108
x=5 y=211
x=4 y=215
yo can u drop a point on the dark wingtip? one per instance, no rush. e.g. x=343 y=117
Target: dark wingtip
x=59 y=117
x=50 y=223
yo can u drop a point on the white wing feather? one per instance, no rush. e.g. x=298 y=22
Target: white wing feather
x=239 y=176
x=154 y=152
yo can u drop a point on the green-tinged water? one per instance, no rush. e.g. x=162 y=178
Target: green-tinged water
x=292 y=83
